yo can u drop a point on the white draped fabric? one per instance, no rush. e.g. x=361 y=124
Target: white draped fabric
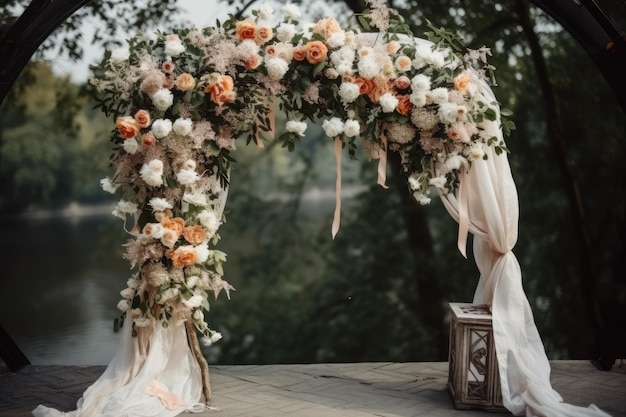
x=492 y=212
x=153 y=374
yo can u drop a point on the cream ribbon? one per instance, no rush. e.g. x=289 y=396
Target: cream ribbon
x=463 y=212
x=171 y=401
x=337 y=217
x=382 y=162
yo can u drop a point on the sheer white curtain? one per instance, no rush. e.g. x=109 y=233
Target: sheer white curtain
x=153 y=374
x=493 y=212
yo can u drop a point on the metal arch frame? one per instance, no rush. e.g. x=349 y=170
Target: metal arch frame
x=583 y=19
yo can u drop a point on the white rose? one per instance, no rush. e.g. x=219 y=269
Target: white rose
x=192 y=281
x=265 y=11
x=195 y=197
x=418 y=99
x=130 y=146
x=152 y=173
x=174 y=47
x=161 y=128
x=276 y=68
x=440 y=95
x=124 y=305
x=368 y=67
x=476 y=151
x=128 y=293
x=342 y=55
x=421 y=198
x=296 y=127
x=291 y=12
x=333 y=127
x=193 y=302
x=455 y=161
x=162 y=99
x=209 y=221
x=285 y=32
x=388 y=102
x=248 y=48
x=198 y=314
x=202 y=252
x=438 y=182
x=108 y=186
x=421 y=83
x=183 y=127
x=351 y=128
x=216 y=337
x=337 y=39
x=349 y=92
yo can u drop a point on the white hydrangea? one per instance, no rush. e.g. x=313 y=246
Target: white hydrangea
x=168 y=294
x=351 y=128
x=152 y=173
x=448 y=112
x=209 y=220
x=108 y=186
x=265 y=11
x=388 y=102
x=337 y=39
x=162 y=99
x=193 y=302
x=183 y=126
x=276 y=68
x=187 y=176
x=248 y=48
x=418 y=99
x=296 y=127
x=161 y=128
x=440 y=95
x=349 y=92
x=345 y=54
x=333 y=127
x=368 y=67
x=195 y=197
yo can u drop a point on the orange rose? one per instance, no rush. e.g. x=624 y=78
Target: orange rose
x=316 y=52
x=299 y=53
x=404 y=105
x=176 y=224
x=185 y=82
x=183 y=256
x=221 y=90
x=127 y=126
x=142 y=117
x=365 y=85
x=245 y=29
x=253 y=62
x=263 y=34
x=194 y=234
x=380 y=86
x=461 y=82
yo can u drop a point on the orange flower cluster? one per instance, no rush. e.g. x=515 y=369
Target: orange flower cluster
x=247 y=29
x=221 y=89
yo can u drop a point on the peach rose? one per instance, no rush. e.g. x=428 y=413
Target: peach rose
x=221 y=90
x=127 y=127
x=393 y=47
x=185 y=82
x=299 y=53
x=316 y=52
x=253 y=62
x=142 y=117
x=168 y=83
x=403 y=63
x=169 y=238
x=404 y=106
x=245 y=29
x=183 y=256
x=176 y=224
x=263 y=34
x=148 y=139
x=402 y=82
x=168 y=66
x=327 y=27
x=461 y=82
x=270 y=50
x=194 y=234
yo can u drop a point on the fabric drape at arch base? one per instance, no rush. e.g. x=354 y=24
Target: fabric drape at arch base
x=493 y=214
x=156 y=357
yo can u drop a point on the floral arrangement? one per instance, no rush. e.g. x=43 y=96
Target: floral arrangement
x=181 y=99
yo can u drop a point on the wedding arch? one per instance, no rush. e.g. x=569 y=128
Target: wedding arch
x=181 y=99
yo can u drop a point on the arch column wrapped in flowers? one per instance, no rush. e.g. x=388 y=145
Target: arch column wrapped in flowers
x=182 y=99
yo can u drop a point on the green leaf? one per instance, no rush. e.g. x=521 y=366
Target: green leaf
x=365 y=24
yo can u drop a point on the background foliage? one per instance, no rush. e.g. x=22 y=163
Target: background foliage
x=379 y=290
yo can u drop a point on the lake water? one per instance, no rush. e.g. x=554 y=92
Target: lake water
x=60 y=284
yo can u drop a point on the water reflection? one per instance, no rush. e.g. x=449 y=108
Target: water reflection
x=60 y=285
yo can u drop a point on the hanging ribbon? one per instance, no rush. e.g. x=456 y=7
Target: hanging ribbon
x=337 y=216
x=382 y=162
x=171 y=401
x=463 y=212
